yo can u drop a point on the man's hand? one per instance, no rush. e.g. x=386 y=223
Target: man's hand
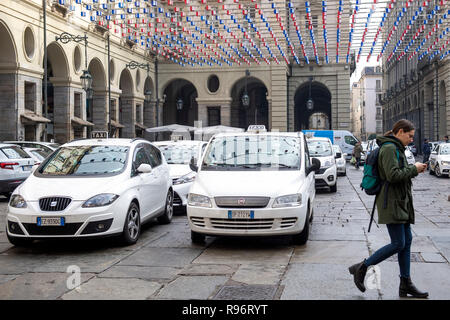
x=421 y=167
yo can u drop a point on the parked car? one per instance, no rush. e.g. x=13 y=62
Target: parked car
x=409 y=155
x=413 y=148
x=343 y=138
x=340 y=160
x=92 y=188
x=434 y=144
x=254 y=183
x=178 y=155
x=37 y=154
x=321 y=148
x=48 y=147
x=440 y=160
x=15 y=167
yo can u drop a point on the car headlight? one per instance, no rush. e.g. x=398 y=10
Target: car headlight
x=198 y=200
x=445 y=163
x=292 y=200
x=100 y=200
x=185 y=179
x=17 y=201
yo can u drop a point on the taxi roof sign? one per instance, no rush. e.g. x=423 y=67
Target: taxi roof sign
x=99 y=134
x=176 y=137
x=256 y=128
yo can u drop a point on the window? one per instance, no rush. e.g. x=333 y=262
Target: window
x=378 y=84
x=213 y=116
x=77 y=105
x=350 y=140
x=14 y=152
x=307 y=159
x=154 y=154
x=141 y=157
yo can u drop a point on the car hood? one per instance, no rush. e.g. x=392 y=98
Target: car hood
x=80 y=189
x=178 y=170
x=444 y=157
x=247 y=183
x=324 y=160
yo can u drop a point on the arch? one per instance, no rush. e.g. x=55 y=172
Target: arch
x=126 y=82
x=57 y=58
x=321 y=97
x=186 y=91
x=258 y=110
x=98 y=74
x=8 y=52
x=179 y=77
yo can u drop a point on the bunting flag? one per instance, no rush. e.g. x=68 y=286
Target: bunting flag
x=297 y=29
x=366 y=28
x=352 y=26
x=338 y=29
x=311 y=30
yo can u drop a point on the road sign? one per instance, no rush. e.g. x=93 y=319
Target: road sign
x=99 y=134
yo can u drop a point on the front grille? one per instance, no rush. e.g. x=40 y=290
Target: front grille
x=321 y=183
x=242 y=202
x=288 y=222
x=68 y=229
x=242 y=224
x=177 y=200
x=54 y=203
x=197 y=221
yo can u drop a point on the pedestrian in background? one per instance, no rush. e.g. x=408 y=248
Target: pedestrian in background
x=446 y=140
x=395 y=206
x=426 y=149
x=357 y=150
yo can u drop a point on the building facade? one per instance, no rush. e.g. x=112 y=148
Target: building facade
x=121 y=101
x=416 y=84
x=366 y=108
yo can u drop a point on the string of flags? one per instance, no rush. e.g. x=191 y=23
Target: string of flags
x=211 y=32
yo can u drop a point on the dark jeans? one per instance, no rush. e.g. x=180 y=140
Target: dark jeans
x=358 y=161
x=401 y=238
x=426 y=157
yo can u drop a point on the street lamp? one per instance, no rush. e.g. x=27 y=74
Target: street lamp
x=245 y=97
x=86 y=80
x=148 y=95
x=179 y=104
x=310 y=102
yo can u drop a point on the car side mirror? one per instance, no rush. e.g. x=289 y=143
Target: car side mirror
x=338 y=155
x=144 y=168
x=193 y=165
x=315 y=166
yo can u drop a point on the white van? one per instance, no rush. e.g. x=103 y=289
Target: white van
x=343 y=138
x=253 y=184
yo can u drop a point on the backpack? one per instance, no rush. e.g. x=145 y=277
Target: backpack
x=371 y=182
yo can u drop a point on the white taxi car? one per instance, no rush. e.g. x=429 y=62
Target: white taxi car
x=92 y=188
x=254 y=183
x=178 y=155
x=340 y=160
x=321 y=148
x=440 y=160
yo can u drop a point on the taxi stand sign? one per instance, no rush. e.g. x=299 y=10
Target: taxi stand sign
x=99 y=134
x=256 y=128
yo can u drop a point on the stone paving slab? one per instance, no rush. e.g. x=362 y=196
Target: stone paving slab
x=38 y=286
x=138 y=272
x=6 y=278
x=336 y=252
x=180 y=239
x=192 y=287
x=208 y=269
x=443 y=243
x=113 y=289
x=245 y=254
x=259 y=274
x=431 y=277
x=161 y=257
x=322 y=282
x=433 y=257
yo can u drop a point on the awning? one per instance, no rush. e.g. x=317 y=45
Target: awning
x=31 y=117
x=140 y=126
x=81 y=122
x=116 y=124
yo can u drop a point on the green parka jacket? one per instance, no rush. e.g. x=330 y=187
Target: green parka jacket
x=398 y=206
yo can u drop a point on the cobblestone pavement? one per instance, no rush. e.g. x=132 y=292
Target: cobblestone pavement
x=164 y=264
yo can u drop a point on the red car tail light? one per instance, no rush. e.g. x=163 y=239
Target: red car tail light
x=8 y=165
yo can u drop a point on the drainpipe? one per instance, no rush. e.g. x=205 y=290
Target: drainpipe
x=44 y=6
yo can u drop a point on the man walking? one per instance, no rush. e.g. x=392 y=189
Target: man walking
x=357 y=150
x=426 y=149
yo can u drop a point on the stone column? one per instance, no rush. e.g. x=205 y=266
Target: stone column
x=128 y=116
x=100 y=110
x=202 y=114
x=63 y=102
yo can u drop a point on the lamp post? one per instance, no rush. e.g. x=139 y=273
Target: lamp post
x=310 y=102
x=179 y=104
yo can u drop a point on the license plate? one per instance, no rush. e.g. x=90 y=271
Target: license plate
x=26 y=168
x=241 y=214
x=50 y=221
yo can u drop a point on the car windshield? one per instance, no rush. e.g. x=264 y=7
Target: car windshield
x=318 y=148
x=86 y=161
x=179 y=154
x=268 y=152
x=445 y=149
x=40 y=154
x=14 y=152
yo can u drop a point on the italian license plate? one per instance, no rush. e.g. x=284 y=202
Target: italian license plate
x=241 y=214
x=26 y=168
x=50 y=221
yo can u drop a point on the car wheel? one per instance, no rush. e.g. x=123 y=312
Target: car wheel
x=197 y=237
x=303 y=236
x=19 y=242
x=168 y=211
x=437 y=171
x=333 y=189
x=132 y=226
